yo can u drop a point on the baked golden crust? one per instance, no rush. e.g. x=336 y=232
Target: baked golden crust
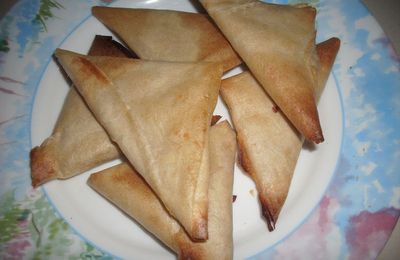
x=77 y=148
x=169 y=35
x=78 y=143
x=222 y=157
x=268 y=143
x=43 y=168
x=124 y=187
x=159 y=114
x=327 y=51
x=277 y=42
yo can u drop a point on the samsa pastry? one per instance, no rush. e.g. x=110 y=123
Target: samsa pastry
x=125 y=188
x=269 y=145
x=78 y=143
x=277 y=43
x=169 y=35
x=76 y=147
x=159 y=114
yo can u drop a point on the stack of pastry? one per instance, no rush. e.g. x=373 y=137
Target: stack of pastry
x=156 y=113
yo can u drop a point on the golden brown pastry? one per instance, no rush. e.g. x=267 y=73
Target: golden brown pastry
x=125 y=188
x=78 y=143
x=75 y=147
x=159 y=114
x=168 y=35
x=327 y=52
x=269 y=145
x=277 y=42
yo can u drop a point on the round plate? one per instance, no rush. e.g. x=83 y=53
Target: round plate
x=353 y=217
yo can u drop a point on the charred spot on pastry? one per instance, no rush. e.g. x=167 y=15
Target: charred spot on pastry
x=215 y=119
x=275 y=109
x=269 y=218
x=234 y=197
x=90 y=69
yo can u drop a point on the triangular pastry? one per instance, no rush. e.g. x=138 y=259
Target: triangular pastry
x=159 y=114
x=78 y=143
x=277 y=42
x=269 y=145
x=169 y=35
x=125 y=188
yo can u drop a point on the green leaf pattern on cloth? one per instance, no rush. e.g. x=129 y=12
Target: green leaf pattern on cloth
x=4 y=45
x=45 y=13
x=31 y=229
x=309 y=2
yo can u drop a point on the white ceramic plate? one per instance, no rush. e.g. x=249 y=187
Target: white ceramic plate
x=91 y=215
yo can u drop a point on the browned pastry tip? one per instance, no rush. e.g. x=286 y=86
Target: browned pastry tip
x=270 y=210
x=43 y=168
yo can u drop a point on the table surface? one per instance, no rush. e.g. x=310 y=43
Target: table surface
x=386 y=13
